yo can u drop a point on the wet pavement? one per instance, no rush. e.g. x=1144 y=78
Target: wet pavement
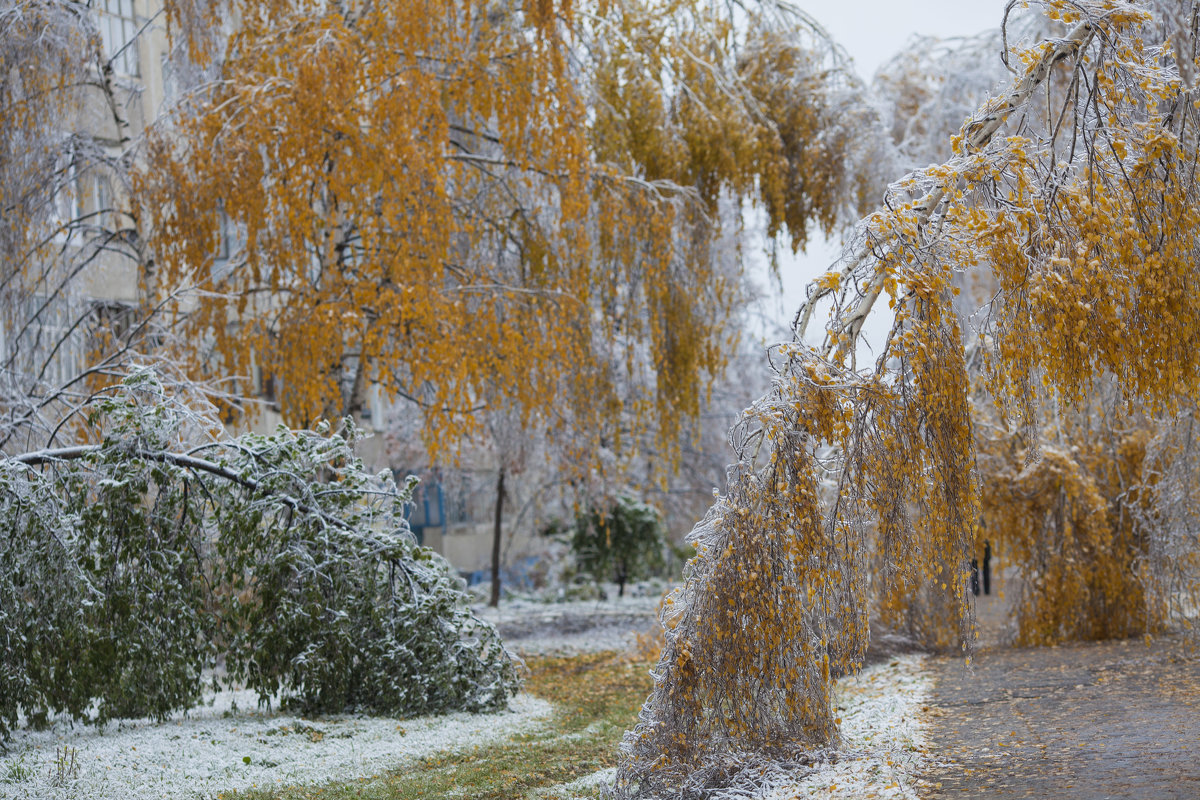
x=1094 y=720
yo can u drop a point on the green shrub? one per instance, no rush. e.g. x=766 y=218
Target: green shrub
x=622 y=542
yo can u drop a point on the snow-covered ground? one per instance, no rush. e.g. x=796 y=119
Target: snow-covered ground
x=576 y=626
x=883 y=725
x=215 y=748
x=883 y=733
x=883 y=730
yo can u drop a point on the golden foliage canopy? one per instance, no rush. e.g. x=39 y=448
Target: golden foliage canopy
x=475 y=204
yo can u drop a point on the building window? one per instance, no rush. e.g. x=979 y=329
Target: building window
x=103 y=213
x=224 y=235
x=265 y=385
x=53 y=339
x=69 y=199
x=118 y=30
x=231 y=241
x=112 y=322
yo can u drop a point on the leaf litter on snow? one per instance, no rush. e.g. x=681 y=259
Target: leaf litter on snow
x=884 y=744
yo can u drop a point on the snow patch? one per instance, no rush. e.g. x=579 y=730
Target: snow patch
x=228 y=744
x=572 y=627
x=589 y=786
x=884 y=730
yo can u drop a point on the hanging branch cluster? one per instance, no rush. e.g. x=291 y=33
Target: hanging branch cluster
x=859 y=486
x=1169 y=548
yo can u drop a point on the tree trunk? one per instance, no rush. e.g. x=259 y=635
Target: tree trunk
x=495 y=601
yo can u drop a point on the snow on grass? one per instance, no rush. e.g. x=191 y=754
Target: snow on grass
x=588 y=786
x=216 y=748
x=229 y=744
x=572 y=627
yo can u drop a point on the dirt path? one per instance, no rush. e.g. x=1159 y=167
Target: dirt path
x=1089 y=721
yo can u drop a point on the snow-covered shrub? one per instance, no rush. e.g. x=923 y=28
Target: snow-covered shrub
x=352 y=613
x=128 y=566
x=101 y=584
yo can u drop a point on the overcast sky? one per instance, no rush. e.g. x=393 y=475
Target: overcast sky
x=872 y=31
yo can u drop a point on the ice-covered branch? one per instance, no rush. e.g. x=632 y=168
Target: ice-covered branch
x=861 y=271
x=53 y=455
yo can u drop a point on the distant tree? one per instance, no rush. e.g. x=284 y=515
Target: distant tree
x=508 y=438
x=1167 y=514
x=623 y=541
x=1094 y=517
x=926 y=90
x=1069 y=520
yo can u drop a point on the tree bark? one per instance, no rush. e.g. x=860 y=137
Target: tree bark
x=495 y=601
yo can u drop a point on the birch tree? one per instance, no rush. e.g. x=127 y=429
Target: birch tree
x=138 y=542
x=69 y=234
x=842 y=462
x=475 y=205
x=1070 y=508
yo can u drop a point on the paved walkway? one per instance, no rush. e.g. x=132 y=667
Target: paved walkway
x=1090 y=721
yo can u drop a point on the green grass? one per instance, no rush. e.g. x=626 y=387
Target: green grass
x=596 y=698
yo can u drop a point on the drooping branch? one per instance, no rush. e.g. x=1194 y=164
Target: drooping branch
x=857 y=492
x=52 y=455
x=174 y=552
